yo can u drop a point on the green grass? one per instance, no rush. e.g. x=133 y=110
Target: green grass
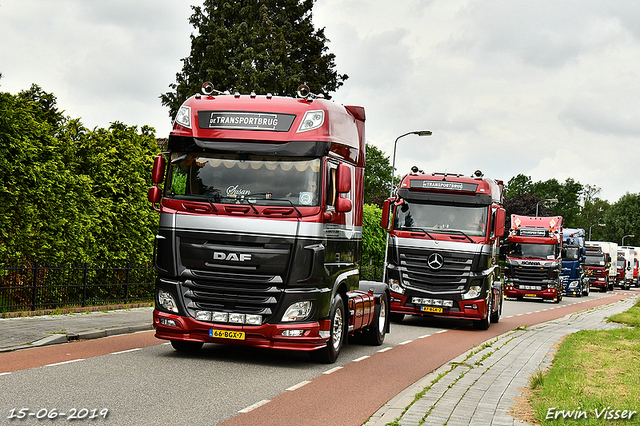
x=593 y=373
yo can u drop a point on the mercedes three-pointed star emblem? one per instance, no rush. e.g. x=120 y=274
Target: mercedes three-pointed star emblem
x=435 y=261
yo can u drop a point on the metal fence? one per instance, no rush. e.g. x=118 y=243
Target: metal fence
x=41 y=286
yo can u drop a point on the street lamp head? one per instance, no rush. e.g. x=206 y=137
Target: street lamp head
x=423 y=133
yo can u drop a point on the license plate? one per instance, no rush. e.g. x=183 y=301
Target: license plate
x=226 y=334
x=431 y=309
x=530 y=295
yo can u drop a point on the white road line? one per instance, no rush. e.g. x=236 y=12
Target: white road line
x=361 y=358
x=64 y=362
x=124 y=352
x=332 y=370
x=405 y=342
x=423 y=336
x=254 y=406
x=385 y=349
x=4 y=374
x=299 y=385
x=441 y=331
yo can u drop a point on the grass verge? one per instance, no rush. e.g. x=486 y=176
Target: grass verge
x=594 y=377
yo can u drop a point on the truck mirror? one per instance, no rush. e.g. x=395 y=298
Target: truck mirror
x=157 y=175
x=343 y=205
x=386 y=208
x=343 y=177
x=154 y=195
x=499 y=225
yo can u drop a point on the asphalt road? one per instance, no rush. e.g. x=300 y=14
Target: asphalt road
x=142 y=381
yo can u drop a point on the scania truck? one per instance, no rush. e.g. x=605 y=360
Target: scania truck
x=611 y=250
x=573 y=278
x=260 y=232
x=596 y=266
x=444 y=235
x=534 y=262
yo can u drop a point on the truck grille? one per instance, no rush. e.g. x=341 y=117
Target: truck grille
x=526 y=275
x=246 y=298
x=453 y=275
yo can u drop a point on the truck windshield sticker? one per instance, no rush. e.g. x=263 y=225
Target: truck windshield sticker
x=439 y=184
x=259 y=180
x=245 y=120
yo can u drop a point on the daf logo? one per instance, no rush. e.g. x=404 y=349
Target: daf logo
x=231 y=257
x=435 y=261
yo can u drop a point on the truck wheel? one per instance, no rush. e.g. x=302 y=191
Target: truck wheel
x=396 y=317
x=185 y=346
x=483 y=324
x=495 y=317
x=329 y=353
x=378 y=329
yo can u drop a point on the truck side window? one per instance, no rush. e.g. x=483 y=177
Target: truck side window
x=331 y=184
x=493 y=221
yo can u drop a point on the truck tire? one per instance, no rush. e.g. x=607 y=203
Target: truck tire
x=483 y=324
x=185 y=346
x=495 y=317
x=329 y=354
x=378 y=329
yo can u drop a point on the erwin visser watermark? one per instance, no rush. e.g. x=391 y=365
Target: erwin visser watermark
x=602 y=413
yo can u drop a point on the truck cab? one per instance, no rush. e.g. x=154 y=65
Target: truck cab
x=260 y=233
x=573 y=278
x=533 y=262
x=596 y=268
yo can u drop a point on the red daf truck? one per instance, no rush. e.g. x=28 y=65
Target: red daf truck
x=260 y=232
x=444 y=235
x=596 y=267
x=534 y=262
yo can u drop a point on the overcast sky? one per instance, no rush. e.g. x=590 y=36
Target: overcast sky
x=549 y=89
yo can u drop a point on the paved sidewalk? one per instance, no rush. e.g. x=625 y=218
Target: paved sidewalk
x=29 y=332
x=479 y=387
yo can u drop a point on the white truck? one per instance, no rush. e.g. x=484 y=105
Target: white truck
x=625 y=278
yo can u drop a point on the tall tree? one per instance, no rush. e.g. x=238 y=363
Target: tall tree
x=377 y=176
x=267 y=46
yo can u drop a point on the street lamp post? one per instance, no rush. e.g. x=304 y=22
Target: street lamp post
x=393 y=173
x=630 y=235
x=599 y=224
x=555 y=200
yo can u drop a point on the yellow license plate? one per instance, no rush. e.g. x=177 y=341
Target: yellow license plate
x=530 y=295
x=226 y=334
x=431 y=309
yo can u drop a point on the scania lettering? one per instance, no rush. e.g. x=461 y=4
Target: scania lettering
x=533 y=260
x=260 y=233
x=444 y=235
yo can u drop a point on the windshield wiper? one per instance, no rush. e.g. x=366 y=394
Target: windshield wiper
x=206 y=198
x=461 y=233
x=290 y=202
x=418 y=229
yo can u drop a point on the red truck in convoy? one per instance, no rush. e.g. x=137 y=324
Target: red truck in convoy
x=444 y=235
x=533 y=263
x=596 y=267
x=260 y=232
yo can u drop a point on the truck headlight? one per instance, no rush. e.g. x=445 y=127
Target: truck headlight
x=473 y=293
x=297 y=311
x=395 y=286
x=312 y=120
x=183 y=117
x=166 y=300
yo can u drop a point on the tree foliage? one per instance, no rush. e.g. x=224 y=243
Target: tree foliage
x=69 y=194
x=377 y=176
x=268 y=46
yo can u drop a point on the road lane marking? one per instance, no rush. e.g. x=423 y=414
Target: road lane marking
x=254 y=406
x=332 y=370
x=405 y=342
x=124 y=352
x=385 y=349
x=299 y=385
x=64 y=362
x=361 y=358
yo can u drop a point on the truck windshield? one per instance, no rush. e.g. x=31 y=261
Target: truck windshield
x=471 y=220
x=263 y=180
x=572 y=253
x=621 y=262
x=597 y=260
x=532 y=251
